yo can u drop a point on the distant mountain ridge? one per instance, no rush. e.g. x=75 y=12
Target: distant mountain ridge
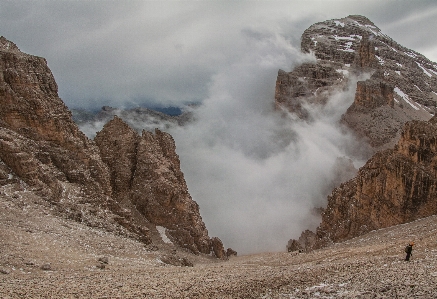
x=138 y=118
x=392 y=112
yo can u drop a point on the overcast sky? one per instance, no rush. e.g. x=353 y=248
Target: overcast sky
x=147 y=53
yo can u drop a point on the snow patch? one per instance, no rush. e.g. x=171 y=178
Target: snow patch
x=393 y=49
x=347 y=47
x=10 y=176
x=164 y=237
x=375 y=33
x=344 y=72
x=405 y=97
x=336 y=37
x=398 y=72
x=424 y=70
x=418 y=87
x=381 y=61
x=338 y=23
x=410 y=54
x=398 y=64
x=435 y=73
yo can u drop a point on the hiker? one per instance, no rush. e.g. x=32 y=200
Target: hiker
x=408 y=250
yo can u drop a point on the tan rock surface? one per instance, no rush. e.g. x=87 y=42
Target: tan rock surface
x=31 y=108
x=395 y=186
x=146 y=175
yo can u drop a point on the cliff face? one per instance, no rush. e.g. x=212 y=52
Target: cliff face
x=127 y=183
x=402 y=87
x=31 y=112
x=145 y=171
x=392 y=111
x=307 y=84
x=395 y=186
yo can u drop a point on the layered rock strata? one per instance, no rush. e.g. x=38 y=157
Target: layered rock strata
x=44 y=149
x=402 y=87
x=31 y=112
x=395 y=186
x=145 y=171
x=390 y=112
x=124 y=184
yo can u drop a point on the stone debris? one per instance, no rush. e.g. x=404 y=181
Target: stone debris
x=46 y=267
x=370 y=266
x=230 y=252
x=4 y=271
x=103 y=260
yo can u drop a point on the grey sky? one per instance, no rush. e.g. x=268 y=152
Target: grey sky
x=129 y=53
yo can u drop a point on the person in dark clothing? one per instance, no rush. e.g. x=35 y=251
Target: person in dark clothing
x=409 y=250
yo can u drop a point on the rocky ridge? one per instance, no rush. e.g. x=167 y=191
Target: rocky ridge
x=125 y=185
x=137 y=118
x=402 y=84
x=145 y=172
x=392 y=111
x=395 y=186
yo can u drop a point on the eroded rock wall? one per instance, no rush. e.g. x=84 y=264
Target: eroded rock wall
x=395 y=186
x=145 y=170
x=402 y=87
x=42 y=147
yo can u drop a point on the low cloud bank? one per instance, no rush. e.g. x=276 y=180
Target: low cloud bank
x=259 y=176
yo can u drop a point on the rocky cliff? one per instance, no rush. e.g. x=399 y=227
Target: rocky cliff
x=145 y=171
x=402 y=84
x=392 y=111
x=122 y=182
x=395 y=186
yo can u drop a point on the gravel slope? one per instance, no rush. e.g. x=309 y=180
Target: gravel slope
x=32 y=238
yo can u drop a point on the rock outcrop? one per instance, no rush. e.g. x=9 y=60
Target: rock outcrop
x=308 y=84
x=121 y=182
x=42 y=147
x=218 y=249
x=395 y=186
x=402 y=87
x=145 y=171
x=40 y=142
x=391 y=112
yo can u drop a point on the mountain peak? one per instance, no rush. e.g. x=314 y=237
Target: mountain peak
x=6 y=45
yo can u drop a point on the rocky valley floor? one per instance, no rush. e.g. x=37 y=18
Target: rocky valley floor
x=44 y=256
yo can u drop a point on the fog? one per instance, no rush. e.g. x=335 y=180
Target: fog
x=259 y=174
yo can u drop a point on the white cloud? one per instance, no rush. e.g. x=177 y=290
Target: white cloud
x=258 y=176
